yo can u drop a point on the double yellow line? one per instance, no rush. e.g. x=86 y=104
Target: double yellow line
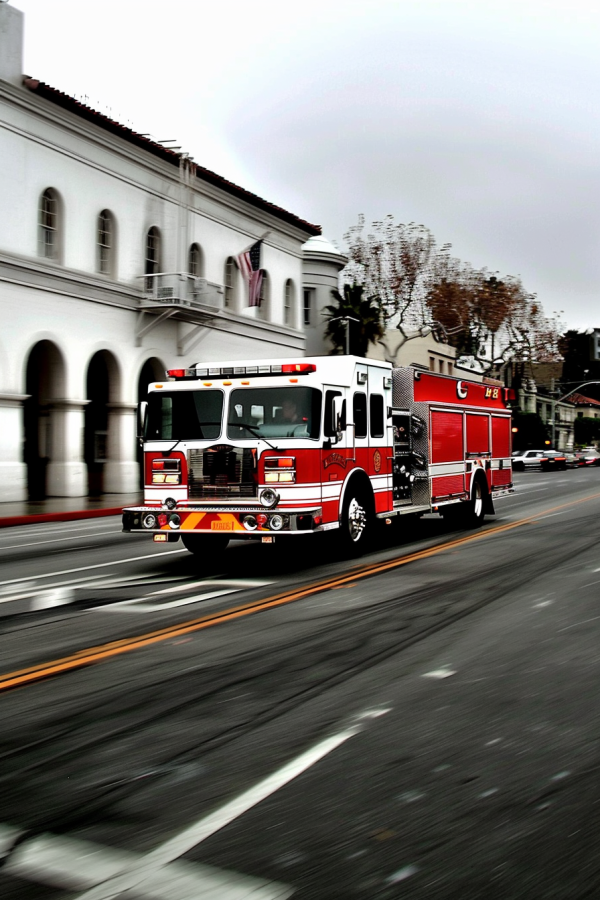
x=102 y=652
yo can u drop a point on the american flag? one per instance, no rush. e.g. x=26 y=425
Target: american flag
x=249 y=263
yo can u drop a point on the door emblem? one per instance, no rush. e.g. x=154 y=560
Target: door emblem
x=334 y=459
x=377 y=461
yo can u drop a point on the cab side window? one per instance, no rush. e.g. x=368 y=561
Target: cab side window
x=359 y=411
x=376 y=410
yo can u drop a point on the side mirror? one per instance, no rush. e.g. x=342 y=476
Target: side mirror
x=142 y=413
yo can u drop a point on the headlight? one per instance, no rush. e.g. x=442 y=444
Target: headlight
x=249 y=523
x=149 y=521
x=269 y=498
x=174 y=521
x=276 y=523
x=170 y=503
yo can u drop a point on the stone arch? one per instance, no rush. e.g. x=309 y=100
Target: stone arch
x=152 y=370
x=45 y=380
x=103 y=392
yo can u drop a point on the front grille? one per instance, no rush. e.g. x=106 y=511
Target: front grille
x=222 y=472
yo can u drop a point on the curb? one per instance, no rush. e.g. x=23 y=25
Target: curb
x=40 y=518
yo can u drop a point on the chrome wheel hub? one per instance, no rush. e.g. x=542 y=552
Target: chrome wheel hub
x=357 y=520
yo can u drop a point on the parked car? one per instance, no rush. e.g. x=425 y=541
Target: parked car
x=589 y=456
x=552 y=459
x=526 y=459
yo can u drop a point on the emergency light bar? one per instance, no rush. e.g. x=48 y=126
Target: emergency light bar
x=232 y=371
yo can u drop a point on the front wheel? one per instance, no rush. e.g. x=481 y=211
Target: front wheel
x=356 y=523
x=204 y=544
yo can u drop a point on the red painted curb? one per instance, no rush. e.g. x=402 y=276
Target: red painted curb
x=35 y=518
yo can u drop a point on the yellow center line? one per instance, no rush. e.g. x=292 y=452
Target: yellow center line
x=114 y=648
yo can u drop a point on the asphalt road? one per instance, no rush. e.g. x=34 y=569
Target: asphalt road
x=274 y=722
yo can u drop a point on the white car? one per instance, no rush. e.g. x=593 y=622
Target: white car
x=527 y=459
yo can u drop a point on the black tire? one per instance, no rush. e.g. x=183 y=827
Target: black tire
x=356 y=523
x=205 y=544
x=474 y=509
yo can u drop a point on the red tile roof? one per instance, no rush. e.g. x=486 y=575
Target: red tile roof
x=164 y=153
x=588 y=401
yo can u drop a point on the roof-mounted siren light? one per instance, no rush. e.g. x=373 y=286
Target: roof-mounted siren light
x=298 y=368
x=178 y=374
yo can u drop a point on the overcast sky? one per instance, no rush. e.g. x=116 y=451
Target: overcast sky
x=477 y=119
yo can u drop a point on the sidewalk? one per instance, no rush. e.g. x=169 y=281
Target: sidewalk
x=65 y=509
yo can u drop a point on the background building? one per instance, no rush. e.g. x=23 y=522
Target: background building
x=118 y=259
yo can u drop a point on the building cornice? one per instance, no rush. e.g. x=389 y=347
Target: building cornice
x=173 y=159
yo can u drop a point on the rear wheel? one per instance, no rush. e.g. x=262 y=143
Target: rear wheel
x=204 y=544
x=474 y=512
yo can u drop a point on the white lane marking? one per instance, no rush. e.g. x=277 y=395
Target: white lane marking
x=575 y=624
x=75 y=865
x=32 y=589
x=524 y=490
x=58 y=540
x=190 y=837
x=140 y=604
x=136 y=606
x=238 y=583
x=116 y=562
x=442 y=672
x=549 y=516
x=8 y=533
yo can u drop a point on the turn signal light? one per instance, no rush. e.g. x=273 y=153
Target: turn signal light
x=280 y=469
x=166 y=471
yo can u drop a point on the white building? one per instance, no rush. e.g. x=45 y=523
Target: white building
x=117 y=261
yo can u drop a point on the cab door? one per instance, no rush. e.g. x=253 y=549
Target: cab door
x=336 y=452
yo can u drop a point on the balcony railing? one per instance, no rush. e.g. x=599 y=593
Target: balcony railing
x=177 y=289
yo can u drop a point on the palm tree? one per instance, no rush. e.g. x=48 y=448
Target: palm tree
x=361 y=315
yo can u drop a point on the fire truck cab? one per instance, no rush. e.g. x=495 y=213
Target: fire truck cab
x=281 y=449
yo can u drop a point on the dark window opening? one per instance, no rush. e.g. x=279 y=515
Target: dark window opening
x=376 y=409
x=359 y=409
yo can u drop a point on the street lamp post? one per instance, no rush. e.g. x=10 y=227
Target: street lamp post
x=564 y=397
x=346 y=320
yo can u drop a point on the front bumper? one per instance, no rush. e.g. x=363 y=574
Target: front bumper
x=242 y=522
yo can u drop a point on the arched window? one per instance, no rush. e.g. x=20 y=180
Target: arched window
x=49 y=225
x=288 y=303
x=152 y=261
x=105 y=243
x=230 y=281
x=195 y=261
x=265 y=297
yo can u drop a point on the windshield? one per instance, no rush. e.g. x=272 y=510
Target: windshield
x=184 y=415
x=274 y=413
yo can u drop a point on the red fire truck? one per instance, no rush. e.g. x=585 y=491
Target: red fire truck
x=266 y=449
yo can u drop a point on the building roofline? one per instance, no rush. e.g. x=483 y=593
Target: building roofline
x=167 y=155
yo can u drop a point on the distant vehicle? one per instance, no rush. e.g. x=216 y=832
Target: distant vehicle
x=527 y=459
x=589 y=456
x=552 y=459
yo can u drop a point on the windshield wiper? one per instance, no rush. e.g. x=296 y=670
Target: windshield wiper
x=255 y=432
x=177 y=442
